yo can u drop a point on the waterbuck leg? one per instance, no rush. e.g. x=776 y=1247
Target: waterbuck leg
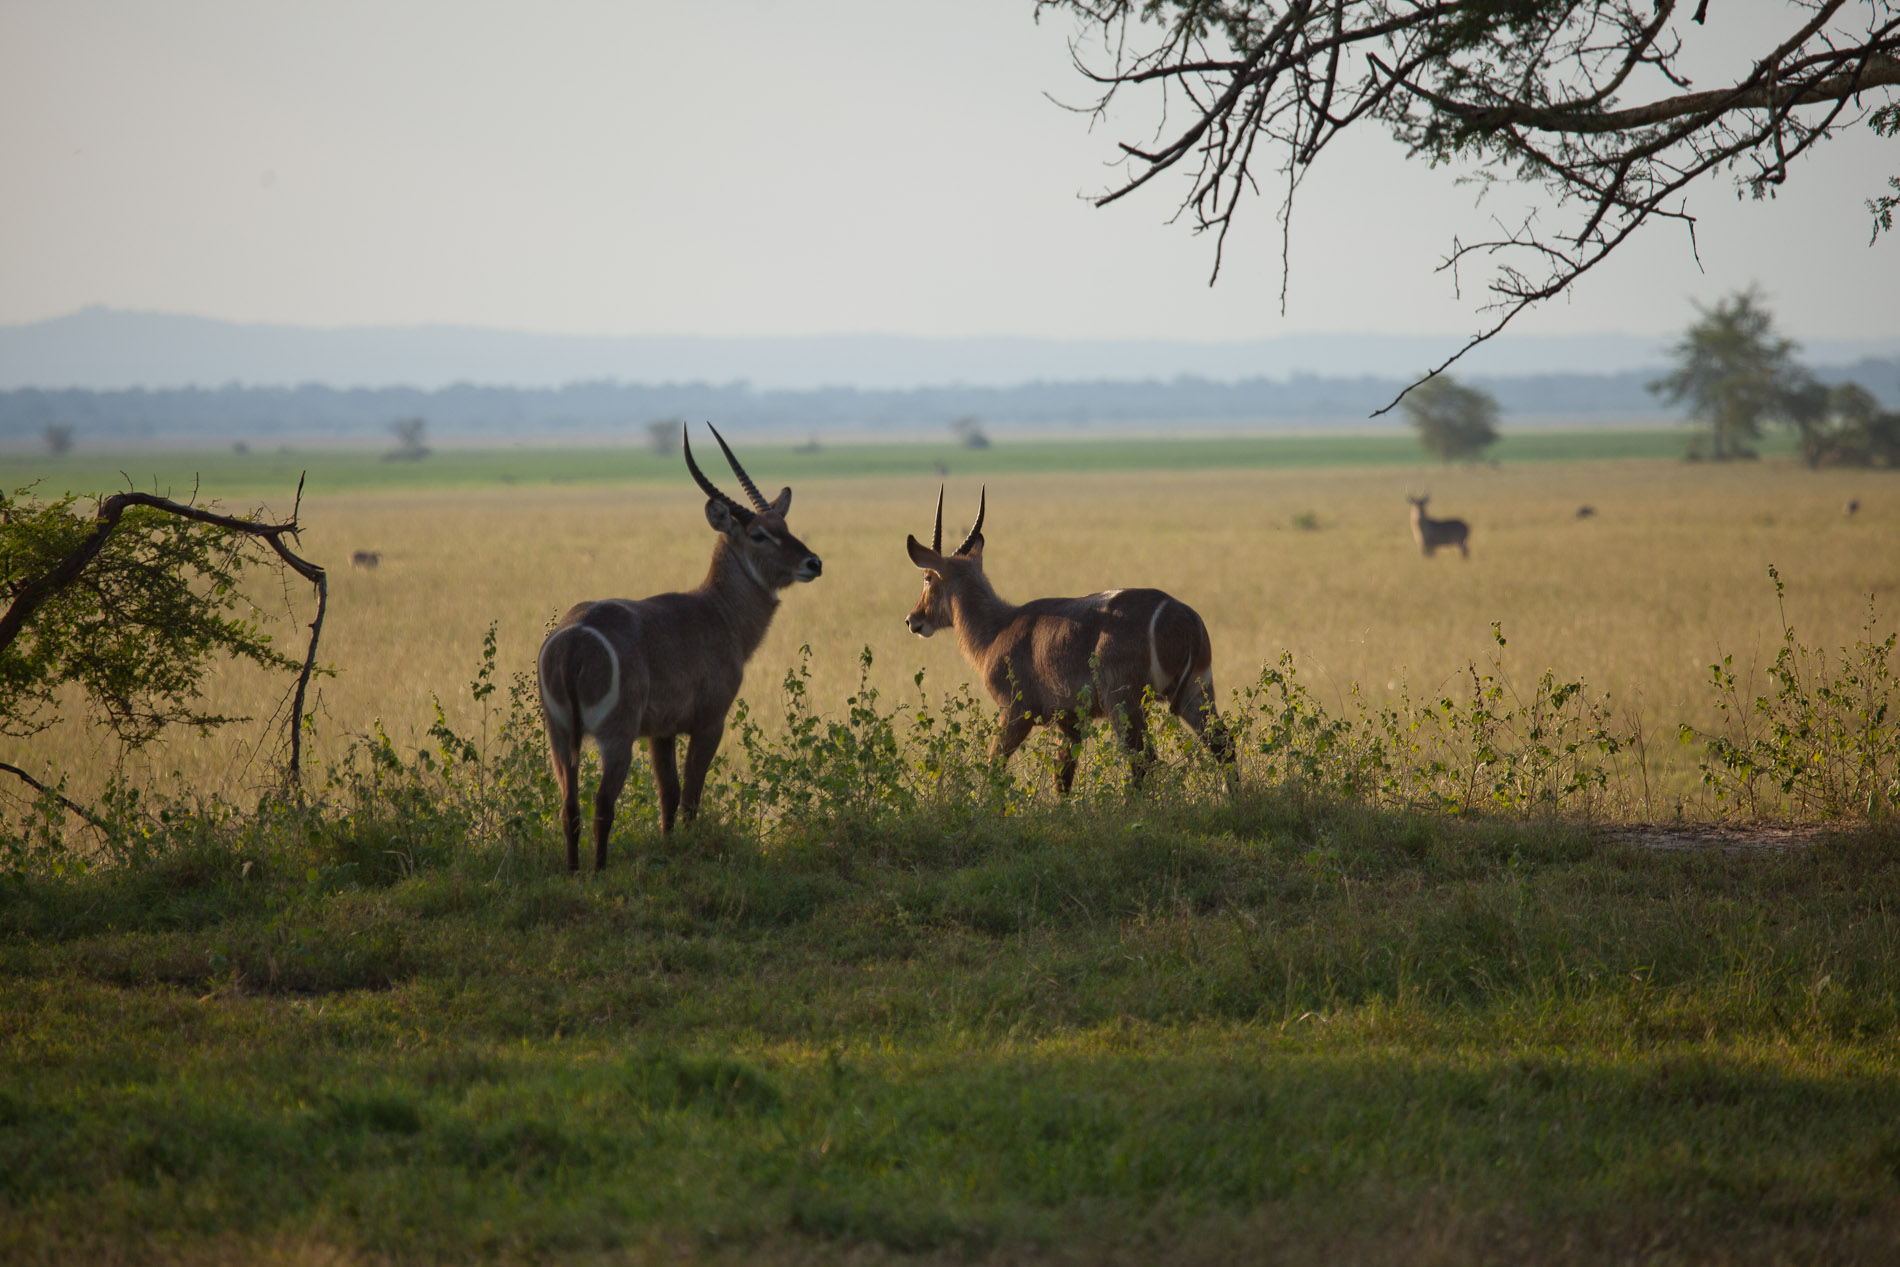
x=667 y=775
x=1134 y=728
x=700 y=748
x=1011 y=729
x=1195 y=706
x=614 y=765
x=1071 y=729
x=568 y=778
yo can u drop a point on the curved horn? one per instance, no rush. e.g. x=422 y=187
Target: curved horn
x=936 y=534
x=745 y=481
x=699 y=477
x=976 y=529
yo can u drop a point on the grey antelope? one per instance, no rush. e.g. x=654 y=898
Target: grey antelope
x=656 y=668
x=1431 y=533
x=1055 y=660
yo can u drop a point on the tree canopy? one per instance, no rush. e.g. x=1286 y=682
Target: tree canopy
x=1589 y=99
x=1735 y=373
x=125 y=611
x=1455 y=422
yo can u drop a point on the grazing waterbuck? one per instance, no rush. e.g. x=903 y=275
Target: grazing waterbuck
x=1431 y=533
x=656 y=668
x=1053 y=661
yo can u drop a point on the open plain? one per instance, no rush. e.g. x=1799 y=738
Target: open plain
x=1282 y=547
x=905 y=1019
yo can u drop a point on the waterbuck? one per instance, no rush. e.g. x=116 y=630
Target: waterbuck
x=670 y=665
x=1431 y=533
x=1056 y=660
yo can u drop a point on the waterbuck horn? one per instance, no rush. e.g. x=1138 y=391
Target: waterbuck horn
x=699 y=477
x=976 y=529
x=936 y=534
x=745 y=481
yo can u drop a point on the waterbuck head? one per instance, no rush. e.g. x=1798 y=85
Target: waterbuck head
x=944 y=574
x=756 y=538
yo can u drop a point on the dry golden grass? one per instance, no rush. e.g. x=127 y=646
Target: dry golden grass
x=1669 y=575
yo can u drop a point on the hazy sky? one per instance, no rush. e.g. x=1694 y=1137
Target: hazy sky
x=747 y=167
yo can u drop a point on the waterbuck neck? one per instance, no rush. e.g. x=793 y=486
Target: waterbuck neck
x=979 y=615
x=736 y=590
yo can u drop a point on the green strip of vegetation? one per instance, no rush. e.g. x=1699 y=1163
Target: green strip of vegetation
x=229 y=475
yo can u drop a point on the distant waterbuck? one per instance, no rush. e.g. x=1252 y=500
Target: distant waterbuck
x=656 y=668
x=1056 y=660
x=1431 y=533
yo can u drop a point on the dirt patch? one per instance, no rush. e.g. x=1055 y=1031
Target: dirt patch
x=1737 y=840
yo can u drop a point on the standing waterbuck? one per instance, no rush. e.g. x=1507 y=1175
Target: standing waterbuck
x=1056 y=660
x=1431 y=533
x=657 y=668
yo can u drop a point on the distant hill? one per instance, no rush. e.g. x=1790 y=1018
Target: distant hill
x=103 y=350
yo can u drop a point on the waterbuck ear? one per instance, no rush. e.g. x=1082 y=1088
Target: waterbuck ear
x=719 y=515
x=920 y=554
x=783 y=502
x=974 y=551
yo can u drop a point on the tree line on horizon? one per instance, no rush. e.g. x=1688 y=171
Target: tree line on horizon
x=1732 y=372
x=254 y=414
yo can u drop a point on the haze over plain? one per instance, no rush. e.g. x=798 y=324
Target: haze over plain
x=738 y=168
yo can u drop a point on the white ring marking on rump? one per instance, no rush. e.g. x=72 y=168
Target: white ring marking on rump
x=593 y=714
x=1157 y=677
x=556 y=711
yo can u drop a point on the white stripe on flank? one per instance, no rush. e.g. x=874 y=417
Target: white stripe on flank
x=593 y=714
x=1157 y=676
x=556 y=711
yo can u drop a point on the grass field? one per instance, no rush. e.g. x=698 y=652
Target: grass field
x=1283 y=1025
x=1638 y=601
x=264 y=473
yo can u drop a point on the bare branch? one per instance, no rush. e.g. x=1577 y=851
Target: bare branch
x=70 y=805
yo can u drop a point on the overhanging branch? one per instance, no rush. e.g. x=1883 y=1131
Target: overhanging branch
x=33 y=593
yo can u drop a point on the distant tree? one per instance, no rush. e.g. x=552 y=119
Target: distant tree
x=1736 y=374
x=1587 y=101
x=124 y=610
x=410 y=440
x=970 y=434
x=663 y=435
x=59 y=440
x=1455 y=422
x=1843 y=425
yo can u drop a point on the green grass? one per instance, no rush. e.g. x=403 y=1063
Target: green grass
x=1166 y=1033
x=225 y=474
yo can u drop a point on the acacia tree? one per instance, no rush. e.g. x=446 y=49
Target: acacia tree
x=1587 y=99
x=1455 y=422
x=127 y=609
x=1735 y=373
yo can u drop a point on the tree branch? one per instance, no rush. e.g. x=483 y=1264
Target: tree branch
x=33 y=593
x=71 y=805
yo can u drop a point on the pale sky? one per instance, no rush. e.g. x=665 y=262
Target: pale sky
x=750 y=167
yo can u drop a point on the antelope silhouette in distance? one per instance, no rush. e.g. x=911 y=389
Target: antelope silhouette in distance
x=1431 y=533
x=657 y=668
x=1055 y=660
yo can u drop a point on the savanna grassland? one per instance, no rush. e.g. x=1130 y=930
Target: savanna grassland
x=1285 y=547
x=887 y=1005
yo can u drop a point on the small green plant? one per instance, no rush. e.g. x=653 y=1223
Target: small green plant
x=1823 y=742
x=822 y=773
